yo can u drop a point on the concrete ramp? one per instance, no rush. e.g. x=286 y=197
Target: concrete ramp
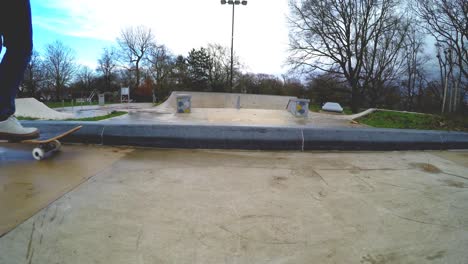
x=30 y=107
x=229 y=100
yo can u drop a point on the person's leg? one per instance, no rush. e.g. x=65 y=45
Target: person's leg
x=16 y=29
x=17 y=38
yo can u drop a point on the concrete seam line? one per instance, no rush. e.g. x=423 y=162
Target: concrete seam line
x=102 y=135
x=302 y=134
x=442 y=141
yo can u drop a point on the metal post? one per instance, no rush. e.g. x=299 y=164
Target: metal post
x=232 y=49
x=233 y=3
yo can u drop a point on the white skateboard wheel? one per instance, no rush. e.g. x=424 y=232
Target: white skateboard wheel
x=38 y=153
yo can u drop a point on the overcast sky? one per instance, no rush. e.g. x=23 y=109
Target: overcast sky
x=87 y=26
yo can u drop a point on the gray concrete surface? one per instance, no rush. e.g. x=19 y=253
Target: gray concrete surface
x=27 y=186
x=211 y=206
x=236 y=117
x=147 y=114
x=84 y=111
x=207 y=108
x=218 y=109
x=228 y=100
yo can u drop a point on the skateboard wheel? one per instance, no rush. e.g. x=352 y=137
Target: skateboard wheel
x=38 y=153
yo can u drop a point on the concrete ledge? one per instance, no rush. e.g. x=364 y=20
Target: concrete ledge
x=255 y=137
x=383 y=139
x=219 y=137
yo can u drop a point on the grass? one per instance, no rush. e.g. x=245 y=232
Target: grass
x=68 y=104
x=96 y=118
x=314 y=108
x=389 y=119
x=347 y=110
x=28 y=118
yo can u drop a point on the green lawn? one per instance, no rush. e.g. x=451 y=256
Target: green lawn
x=388 y=119
x=68 y=104
x=314 y=108
x=347 y=110
x=26 y=118
x=96 y=118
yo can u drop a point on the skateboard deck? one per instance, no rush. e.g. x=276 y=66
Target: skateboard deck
x=48 y=143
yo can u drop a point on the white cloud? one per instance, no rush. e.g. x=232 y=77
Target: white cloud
x=261 y=35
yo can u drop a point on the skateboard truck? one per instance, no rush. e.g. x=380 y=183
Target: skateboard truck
x=45 y=145
x=40 y=151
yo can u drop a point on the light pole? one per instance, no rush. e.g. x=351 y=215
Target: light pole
x=233 y=3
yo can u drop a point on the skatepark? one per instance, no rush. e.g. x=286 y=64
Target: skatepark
x=207 y=108
x=231 y=121
x=239 y=179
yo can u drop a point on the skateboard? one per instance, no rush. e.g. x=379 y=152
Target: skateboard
x=48 y=143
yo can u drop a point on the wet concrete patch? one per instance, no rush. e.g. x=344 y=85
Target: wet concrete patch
x=27 y=185
x=438 y=255
x=426 y=167
x=458 y=157
x=381 y=259
x=456 y=184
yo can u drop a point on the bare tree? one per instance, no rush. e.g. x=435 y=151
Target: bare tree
x=414 y=61
x=221 y=63
x=447 y=22
x=86 y=77
x=33 y=76
x=135 y=42
x=162 y=63
x=383 y=63
x=450 y=78
x=107 y=65
x=337 y=37
x=60 y=66
x=326 y=87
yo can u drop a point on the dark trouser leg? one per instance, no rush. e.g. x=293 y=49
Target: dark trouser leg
x=16 y=29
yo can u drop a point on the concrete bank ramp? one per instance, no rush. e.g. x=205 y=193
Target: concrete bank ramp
x=229 y=100
x=30 y=107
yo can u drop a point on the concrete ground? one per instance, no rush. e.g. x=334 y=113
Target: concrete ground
x=210 y=206
x=27 y=186
x=144 y=113
x=84 y=111
x=206 y=109
x=230 y=117
x=219 y=109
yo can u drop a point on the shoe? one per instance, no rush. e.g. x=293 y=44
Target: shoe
x=12 y=129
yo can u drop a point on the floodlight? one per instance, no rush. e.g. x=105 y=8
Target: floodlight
x=233 y=3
